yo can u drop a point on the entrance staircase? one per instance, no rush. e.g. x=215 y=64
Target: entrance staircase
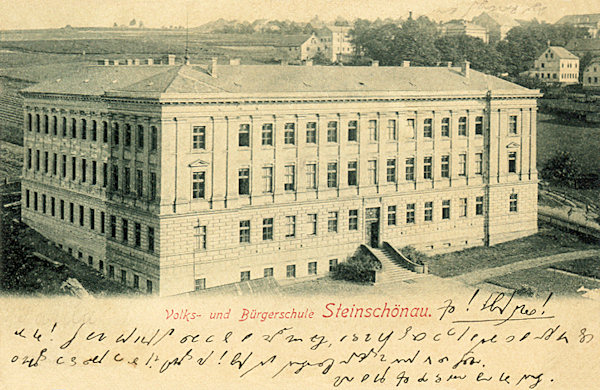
x=391 y=271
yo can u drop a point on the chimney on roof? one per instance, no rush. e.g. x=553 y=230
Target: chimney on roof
x=129 y=61
x=235 y=61
x=308 y=63
x=465 y=68
x=449 y=64
x=136 y=61
x=212 y=68
x=374 y=63
x=410 y=14
x=150 y=61
x=284 y=62
x=406 y=64
x=170 y=59
x=115 y=62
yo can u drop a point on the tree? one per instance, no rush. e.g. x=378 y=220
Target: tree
x=459 y=48
x=562 y=168
x=321 y=59
x=132 y=22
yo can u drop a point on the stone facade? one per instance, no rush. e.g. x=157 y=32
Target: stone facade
x=200 y=191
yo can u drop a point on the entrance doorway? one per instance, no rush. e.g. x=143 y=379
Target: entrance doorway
x=372 y=226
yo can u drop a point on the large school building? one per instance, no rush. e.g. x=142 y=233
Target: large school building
x=177 y=177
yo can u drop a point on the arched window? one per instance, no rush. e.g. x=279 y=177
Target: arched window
x=29 y=122
x=83 y=129
x=94 y=130
x=140 y=137
x=116 y=134
x=45 y=124
x=54 y=125
x=37 y=123
x=73 y=128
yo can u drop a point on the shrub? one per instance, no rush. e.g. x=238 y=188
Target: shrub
x=414 y=255
x=525 y=291
x=358 y=268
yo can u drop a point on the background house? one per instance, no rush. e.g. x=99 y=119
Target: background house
x=591 y=75
x=496 y=24
x=557 y=65
x=589 y=21
x=462 y=27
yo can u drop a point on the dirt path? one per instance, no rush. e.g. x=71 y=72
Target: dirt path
x=479 y=276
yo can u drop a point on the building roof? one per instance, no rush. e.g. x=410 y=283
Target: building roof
x=464 y=24
x=584 y=44
x=579 y=19
x=497 y=18
x=155 y=81
x=563 y=53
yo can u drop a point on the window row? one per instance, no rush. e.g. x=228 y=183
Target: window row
x=122 y=179
x=77 y=214
x=81 y=129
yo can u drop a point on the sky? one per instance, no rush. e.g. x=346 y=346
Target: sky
x=31 y=14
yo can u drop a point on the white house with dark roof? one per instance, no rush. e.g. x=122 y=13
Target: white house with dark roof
x=173 y=178
x=591 y=75
x=557 y=65
x=462 y=27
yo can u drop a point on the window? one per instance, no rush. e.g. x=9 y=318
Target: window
x=391 y=170
x=44 y=203
x=428 y=128
x=244 y=232
x=514 y=198
x=127 y=136
x=152 y=185
x=352 y=131
x=73 y=128
x=463 y=207
x=332 y=264
x=290 y=226
x=311 y=132
x=332 y=128
x=94 y=172
x=104 y=175
x=90 y=261
x=478 y=163
x=267 y=229
x=332 y=175
x=64 y=166
x=478 y=125
x=353 y=220
x=111 y=271
x=311 y=176
x=267 y=176
x=200 y=234
x=64 y=126
x=290 y=271
x=312 y=268
x=410 y=168
x=462 y=125
x=52 y=206
x=373 y=131
x=445 y=130
x=268 y=272
x=512 y=124
x=312 y=224
x=391 y=216
x=512 y=162
x=140 y=137
x=37 y=161
x=71 y=209
x=392 y=130
x=83 y=129
x=352 y=173
x=198 y=185
x=116 y=134
x=92 y=219
x=102 y=222
x=427 y=172
x=27 y=196
x=54 y=125
x=137 y=233
x=123 y=276
x=73 y=168
x=244 y=276
x=445 y=171
x=267 y=134
x=462 y=164
x=332 y=222
x=244 y=181
x=199 y=137
x=479 y=205
x=446 y=209
x=62 y=209
x=125 y=229
x=428 y=216
x=29 y=122
x=149 y=286
x=410 y=213
x=113 y=226
x=289 y=178
x=35 y=201
x=94 y=130
x=83 y=170
x=126 y=180
x=136 y=281
x=289 y=135
x=29 y=158
x=410 y=124
x=150 y=239
x=104 y=132
x=372 y=168
x=153 y=138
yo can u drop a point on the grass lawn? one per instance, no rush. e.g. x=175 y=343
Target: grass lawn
x=546 y=242
x=586 y=267
x=327 y=286
x=540 y=281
